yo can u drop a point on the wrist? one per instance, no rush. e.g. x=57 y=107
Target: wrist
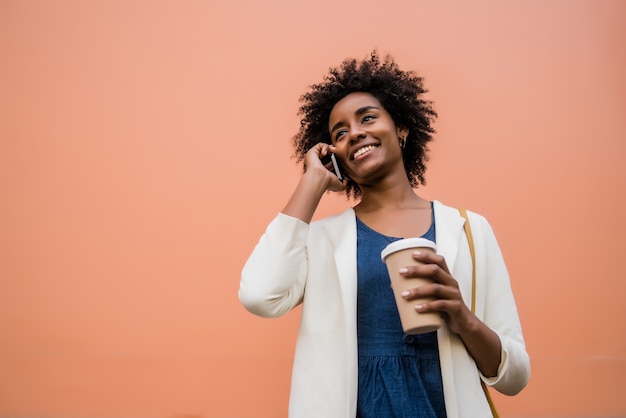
x=470 y=327
x=316 y=180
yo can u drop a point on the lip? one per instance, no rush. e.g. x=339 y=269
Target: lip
x=353 y=151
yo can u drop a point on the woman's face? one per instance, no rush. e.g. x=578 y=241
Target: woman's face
x=366 y=138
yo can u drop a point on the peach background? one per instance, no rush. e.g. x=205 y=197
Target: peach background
x=145 y=145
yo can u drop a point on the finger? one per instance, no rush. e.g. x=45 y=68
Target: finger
x=318 y=148
x=449 y=308
x=432 y=290
x=428 y=271
x=316 y=153
x=429 y=257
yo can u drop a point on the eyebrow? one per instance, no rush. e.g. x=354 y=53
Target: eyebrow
x=358 y=112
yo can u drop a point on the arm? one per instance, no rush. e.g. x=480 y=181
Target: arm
x=492 y=336
x=274 y=277
x=482 y=343
x=496 y=307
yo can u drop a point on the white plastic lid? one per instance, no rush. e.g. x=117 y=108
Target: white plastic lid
x=407 y=243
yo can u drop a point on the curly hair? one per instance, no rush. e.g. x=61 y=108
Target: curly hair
x=399 y=92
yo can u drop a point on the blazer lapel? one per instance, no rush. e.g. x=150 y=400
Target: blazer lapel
x=342 y=232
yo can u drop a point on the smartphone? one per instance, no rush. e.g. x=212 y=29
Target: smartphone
x=330 y=162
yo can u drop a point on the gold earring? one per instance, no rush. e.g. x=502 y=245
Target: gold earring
x=402 y=142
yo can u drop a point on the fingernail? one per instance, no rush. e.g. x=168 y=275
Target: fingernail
x=403 y=270
x=418 y=307
x=406 y=293
x=417 y=252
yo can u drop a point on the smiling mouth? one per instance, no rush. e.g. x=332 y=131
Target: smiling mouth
x=363 y=150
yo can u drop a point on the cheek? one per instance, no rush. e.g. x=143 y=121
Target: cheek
x=341 y=150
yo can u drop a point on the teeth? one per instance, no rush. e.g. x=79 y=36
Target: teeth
x=363 y=150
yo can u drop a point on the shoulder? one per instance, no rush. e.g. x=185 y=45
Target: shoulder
x=449 y=212
x=339 y=228
x=334 y=220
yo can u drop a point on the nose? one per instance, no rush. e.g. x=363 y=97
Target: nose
x=356 y=132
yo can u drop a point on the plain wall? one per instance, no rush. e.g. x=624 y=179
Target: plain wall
x=145 y=145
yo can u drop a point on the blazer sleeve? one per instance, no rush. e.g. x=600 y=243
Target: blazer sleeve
x=274 y=276
x=499 y=312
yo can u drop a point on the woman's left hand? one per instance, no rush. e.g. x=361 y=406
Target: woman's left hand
x=482 y=343
x=444 y=289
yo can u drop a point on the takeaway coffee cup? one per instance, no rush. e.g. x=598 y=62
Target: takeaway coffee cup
x=396 y=255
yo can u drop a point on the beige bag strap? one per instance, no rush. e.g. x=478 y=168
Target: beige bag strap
x=470 y=241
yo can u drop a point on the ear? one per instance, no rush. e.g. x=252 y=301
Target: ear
x=402 y=132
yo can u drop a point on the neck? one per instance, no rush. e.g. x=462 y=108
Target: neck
x=395 y=195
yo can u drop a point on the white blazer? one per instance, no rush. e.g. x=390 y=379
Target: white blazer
x=315 y=265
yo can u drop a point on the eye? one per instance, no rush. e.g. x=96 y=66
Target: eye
x=368 y=118
x=340 y=133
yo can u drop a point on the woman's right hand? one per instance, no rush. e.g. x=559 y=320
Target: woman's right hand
x=316 y=180
x=314 y=167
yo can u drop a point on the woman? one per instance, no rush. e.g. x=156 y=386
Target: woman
x=352 y=357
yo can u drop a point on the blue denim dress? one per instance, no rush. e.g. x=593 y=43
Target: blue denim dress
x=399 y=375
